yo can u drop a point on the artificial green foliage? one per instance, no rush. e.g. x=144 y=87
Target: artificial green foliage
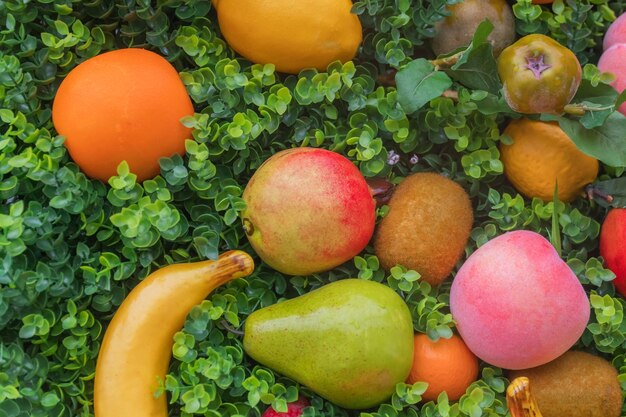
x=577 y=24
x=398 y=27
x=72 y=248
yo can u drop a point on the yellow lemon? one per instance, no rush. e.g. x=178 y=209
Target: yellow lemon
x=292 y=35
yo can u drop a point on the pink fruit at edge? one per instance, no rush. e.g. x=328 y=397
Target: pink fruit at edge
x=613 y=246
x=616 y=33
x=294 y=409
x=516 y=303
x=308 y=211
x=613 y=60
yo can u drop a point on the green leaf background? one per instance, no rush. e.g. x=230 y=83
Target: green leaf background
x=71 y=248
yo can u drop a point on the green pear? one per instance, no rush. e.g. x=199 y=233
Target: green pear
x=350 y=341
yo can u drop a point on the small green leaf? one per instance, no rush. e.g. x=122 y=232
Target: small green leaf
x=418 y=82
x=477 y=68
x=479 y=39
x=49 y=400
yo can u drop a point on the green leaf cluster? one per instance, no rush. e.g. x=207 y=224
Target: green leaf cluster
x=398 y=27
x=71 y=248
x=577 y=24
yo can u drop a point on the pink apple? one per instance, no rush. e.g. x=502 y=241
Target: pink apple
x=516 y=302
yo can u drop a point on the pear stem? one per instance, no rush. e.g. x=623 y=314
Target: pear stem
x=230 y=329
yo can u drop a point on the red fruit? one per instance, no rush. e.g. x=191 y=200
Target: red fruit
x=613 y=246
x=294 y=409
x=308 y=211
x=516 y=303
x=616 y=33
x=612 y=60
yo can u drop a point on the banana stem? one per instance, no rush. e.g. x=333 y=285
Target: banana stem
x=520 y=400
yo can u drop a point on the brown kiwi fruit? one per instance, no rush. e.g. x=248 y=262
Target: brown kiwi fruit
x=577 y=384
x=458 y=29
x=427 y=227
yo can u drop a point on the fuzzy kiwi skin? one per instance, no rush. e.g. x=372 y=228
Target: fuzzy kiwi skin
x=427 y=227
x=458 y=29
x=577 y=384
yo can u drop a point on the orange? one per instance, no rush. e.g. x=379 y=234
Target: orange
x=540 y=154
x=446 y=365
x=123 y=105
x=292 y=35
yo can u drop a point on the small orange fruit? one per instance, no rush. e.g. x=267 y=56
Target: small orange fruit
x=540 y=154
x=123 y=105
x=292 y=35
x=446 y=365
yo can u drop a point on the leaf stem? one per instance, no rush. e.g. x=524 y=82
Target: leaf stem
x=580 y=109
x=447 y=61
x=230 y=329
x=593 y=192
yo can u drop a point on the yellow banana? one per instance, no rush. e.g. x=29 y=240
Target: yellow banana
x=519 y=399
x=137 y=345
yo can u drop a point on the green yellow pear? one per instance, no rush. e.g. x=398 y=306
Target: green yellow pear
x=350 y=341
